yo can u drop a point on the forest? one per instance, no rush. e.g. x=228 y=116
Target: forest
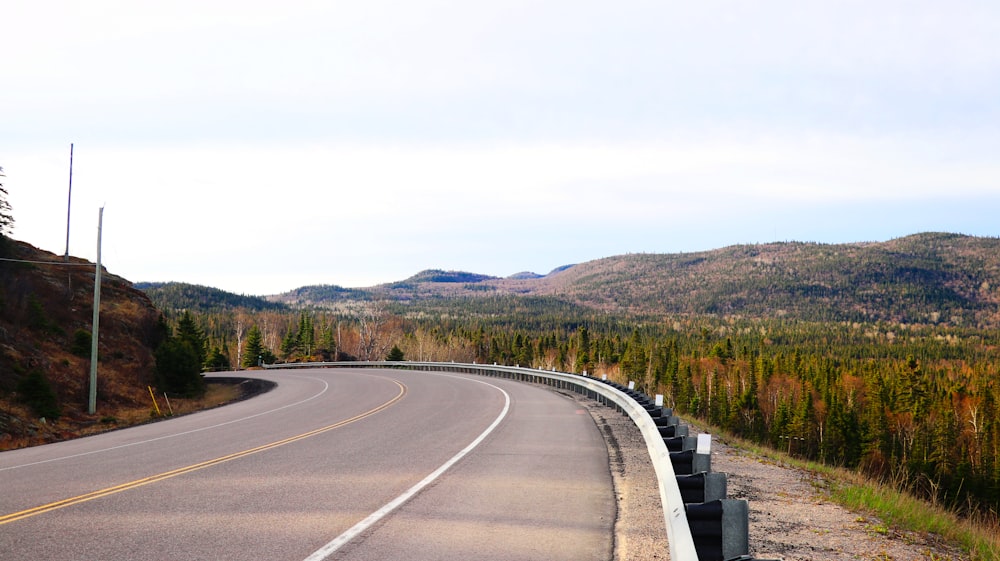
x=916 y=404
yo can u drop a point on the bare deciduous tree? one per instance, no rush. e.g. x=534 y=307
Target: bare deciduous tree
x=374 y=341
x=240 y=329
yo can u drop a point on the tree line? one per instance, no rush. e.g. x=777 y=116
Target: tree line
x=915 y=403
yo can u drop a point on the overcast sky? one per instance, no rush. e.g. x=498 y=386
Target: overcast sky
x=259 y=146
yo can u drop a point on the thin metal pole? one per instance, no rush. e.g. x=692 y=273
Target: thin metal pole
x=69 y=201
x=92 y=407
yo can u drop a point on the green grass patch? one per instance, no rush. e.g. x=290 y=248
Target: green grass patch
x=977 y=535
x=980 y=538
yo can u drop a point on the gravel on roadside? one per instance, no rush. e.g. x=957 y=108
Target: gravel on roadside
x=791 y=515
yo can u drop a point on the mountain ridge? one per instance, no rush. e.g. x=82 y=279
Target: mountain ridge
x=930 y=277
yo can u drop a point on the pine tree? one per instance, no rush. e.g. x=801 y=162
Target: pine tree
x=218 y=359
x=305 y=337
x=6 y=218
x=180 y=360
x=583 y=351
x=178 y=369
x=34 y=389
x=634 y=361
x=395 y=355
x=253 y=353
x=289 y=344
x=189 y=332
x=327 y=343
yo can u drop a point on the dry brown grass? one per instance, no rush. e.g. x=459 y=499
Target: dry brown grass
x=216 y=394
x=113 y=417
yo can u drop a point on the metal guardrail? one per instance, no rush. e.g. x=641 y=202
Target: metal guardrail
x=679 y=535
x=679 y=538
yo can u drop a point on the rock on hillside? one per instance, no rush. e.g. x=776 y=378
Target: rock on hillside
x=46 y=311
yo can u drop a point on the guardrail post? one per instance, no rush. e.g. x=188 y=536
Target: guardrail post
x=720 y=529
x=702 y=487
x=690 y=461
x=680 y=444
x=668 y=419
x=673 y=431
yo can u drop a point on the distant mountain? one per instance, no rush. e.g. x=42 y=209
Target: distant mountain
x=923 y=278
x=324 y=295
x=437 y=275
x=525 y=275
x=182 y=296
x=560 y=269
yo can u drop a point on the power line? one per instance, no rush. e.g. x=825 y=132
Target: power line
x=56 y=263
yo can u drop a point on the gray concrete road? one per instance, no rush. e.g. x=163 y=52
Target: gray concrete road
x=307 y=470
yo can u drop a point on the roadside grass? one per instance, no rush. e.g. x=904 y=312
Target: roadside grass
x=215 y=395
x=979 y=535
x=112 y=416
x=121 y=417
x=890 y=501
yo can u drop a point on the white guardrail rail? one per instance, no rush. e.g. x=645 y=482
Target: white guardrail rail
x=679 y=537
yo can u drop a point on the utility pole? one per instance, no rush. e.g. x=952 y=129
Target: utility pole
x=69 y=202
x=92 y=404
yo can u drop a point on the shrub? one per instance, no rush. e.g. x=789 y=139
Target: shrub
x=35 y=391
x=395 y=354
x=81 y=343
x=178 y=369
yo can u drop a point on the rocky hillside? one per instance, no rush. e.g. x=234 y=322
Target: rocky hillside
x=46 y=311
x=923 y=278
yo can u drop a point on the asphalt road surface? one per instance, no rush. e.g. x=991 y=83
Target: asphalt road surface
x=332 y=464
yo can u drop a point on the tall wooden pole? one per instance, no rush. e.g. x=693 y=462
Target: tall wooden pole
x=92 y=407
x=69 y=202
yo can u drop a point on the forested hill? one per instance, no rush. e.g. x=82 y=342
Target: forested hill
x=923 y=278
x=193 y=297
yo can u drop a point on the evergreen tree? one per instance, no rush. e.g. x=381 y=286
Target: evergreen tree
x=34 y=390
x=305 y=336
x=253 y=353
x=189 y=332
x=395 y=354
x=218 y=359
x=6 y=218
x=289 y=344
x=523 y=353
x=178 y=368
x=582 y=351
x=327 y=343
x=634 y=361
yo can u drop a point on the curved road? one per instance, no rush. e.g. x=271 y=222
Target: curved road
x=332 y=464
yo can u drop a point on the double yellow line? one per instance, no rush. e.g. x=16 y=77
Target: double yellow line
x=14 y=517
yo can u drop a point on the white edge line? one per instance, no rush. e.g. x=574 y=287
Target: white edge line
x=353 y=532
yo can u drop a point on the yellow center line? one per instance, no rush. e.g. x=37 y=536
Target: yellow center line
x=13 y=517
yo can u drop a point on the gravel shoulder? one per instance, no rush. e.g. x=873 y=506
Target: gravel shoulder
x=791 y=514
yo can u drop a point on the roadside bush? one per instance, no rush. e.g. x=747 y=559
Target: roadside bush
x=81 y=343
x=34 y=390
x=395 y=354
x=178 y=369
